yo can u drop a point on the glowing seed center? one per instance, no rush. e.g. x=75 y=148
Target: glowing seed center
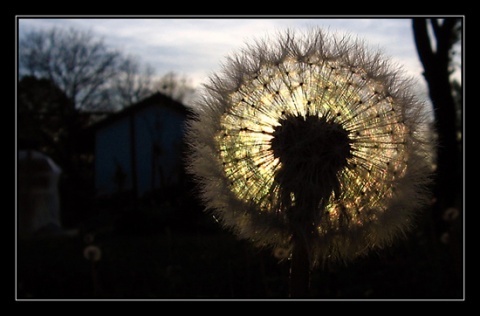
x=312 y=151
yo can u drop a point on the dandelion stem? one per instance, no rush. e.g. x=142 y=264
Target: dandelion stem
x=299 y=269
x=96 y=288
x=302 y=227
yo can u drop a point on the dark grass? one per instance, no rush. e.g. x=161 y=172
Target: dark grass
x=170 y=261
x=167 y=265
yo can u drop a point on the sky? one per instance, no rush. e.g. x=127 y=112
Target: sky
x=196 y=47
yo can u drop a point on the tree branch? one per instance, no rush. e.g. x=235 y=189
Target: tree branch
x=436 y=29
x=445 y=40
x=422 y=41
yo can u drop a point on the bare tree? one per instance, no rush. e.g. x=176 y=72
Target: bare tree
x=93 y=76
x=76 y=61
x=435 y=50
x=132 y=82
x=177 y=87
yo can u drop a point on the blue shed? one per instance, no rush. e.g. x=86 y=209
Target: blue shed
x=139 y=149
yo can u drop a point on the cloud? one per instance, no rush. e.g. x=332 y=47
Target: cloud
x=196 y=46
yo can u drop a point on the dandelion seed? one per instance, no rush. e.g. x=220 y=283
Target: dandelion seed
x=320 y=131
x=450 y=214
x=92 y=253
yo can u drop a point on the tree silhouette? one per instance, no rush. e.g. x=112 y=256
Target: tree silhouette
x=132 y=83
x=75 y=61
x=435 y=51
x=93 y=76
x=46 y=119
x=176 y=86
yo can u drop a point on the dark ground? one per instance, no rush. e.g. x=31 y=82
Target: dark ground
x=166 y=257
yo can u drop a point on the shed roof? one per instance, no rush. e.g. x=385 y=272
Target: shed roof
x=157 y=99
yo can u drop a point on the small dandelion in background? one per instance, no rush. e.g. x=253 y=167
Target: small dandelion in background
x=309 y=142
x=93 y=254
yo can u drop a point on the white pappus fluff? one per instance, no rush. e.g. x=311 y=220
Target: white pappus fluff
x=311 y=121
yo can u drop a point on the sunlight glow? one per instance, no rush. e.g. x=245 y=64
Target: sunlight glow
x=344 y=95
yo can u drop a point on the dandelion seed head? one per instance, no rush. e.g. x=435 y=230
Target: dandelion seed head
x=315 y=120
x=450 y=214
x=92 y=253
